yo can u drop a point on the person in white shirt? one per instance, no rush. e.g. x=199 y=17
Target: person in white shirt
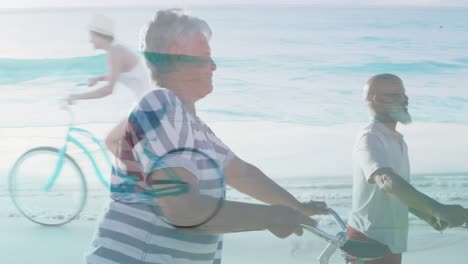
x=382 y=193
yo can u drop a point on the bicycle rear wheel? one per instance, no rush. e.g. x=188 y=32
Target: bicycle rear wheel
x=29 y=177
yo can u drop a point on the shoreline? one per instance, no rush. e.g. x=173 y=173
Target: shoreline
x=285 y=150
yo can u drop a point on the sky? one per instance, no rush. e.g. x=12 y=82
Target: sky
x=76 y=3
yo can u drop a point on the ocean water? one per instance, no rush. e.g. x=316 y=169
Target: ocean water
x=293 y=64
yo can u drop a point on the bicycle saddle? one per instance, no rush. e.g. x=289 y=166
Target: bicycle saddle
x=365 y=249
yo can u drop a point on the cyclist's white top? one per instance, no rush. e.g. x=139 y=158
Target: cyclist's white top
x=137 y=79
x=375 y=213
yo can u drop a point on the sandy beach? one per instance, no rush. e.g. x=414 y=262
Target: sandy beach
x=309 y=152
x=25 y=242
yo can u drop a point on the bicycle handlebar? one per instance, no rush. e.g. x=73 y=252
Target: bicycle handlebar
x=65 y=106
x=354 y=248
x=339 y=238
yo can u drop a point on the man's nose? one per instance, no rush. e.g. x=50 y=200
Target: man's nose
x=213 y=65
x=405 y=99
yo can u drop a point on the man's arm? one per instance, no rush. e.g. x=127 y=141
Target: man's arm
x=250 y=180
x=192 y=208
x=394 y=185
x=433 y=221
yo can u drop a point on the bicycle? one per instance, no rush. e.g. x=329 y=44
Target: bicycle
x=55 y=195
x=60 y=200
x=354 y=250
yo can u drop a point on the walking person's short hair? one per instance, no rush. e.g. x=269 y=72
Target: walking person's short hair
x=167 y=27
x=370 y=89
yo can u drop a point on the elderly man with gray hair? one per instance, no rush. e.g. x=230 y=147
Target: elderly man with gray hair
x=146 y=221
x=382 y=193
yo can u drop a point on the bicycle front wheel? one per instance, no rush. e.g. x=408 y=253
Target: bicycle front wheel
x=28 y=181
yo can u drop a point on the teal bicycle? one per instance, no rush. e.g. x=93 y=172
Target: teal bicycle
x=48 y=186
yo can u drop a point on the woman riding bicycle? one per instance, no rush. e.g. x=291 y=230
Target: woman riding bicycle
x=124 y=66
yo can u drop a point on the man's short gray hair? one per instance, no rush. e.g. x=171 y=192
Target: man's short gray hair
x=168 y=27
x=171 y=26
x=370 y=88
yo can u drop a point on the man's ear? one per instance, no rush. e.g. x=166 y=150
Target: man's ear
x=373 y=98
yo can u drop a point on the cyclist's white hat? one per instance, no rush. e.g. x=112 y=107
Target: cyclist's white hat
x=102 y=24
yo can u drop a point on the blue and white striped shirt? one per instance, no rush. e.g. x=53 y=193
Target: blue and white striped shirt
x=132 y=231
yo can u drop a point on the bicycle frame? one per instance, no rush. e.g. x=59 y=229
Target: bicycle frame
x=334 y=241
x=178 y=188
x=340 y=240
x=70 y=138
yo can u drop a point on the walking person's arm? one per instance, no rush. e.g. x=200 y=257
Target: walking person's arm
x=394 y=185
x=250 y=180
x=188 y=208
x=371 y=156
x=433 y=221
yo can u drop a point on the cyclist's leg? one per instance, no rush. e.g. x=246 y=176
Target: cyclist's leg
x=115 y=135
